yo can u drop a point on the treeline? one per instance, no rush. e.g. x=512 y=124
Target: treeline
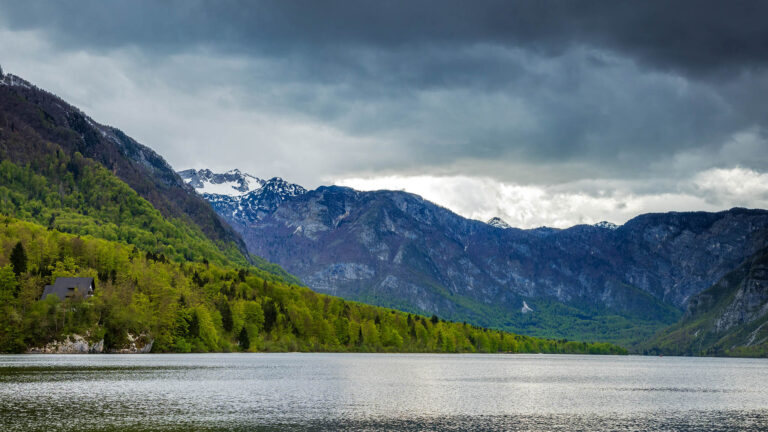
x=200 y=307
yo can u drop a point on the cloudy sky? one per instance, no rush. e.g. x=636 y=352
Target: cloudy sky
x=542 y=112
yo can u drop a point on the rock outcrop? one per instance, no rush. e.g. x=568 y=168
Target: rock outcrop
x=73 y=344
x=729 y=318
x=77 y=344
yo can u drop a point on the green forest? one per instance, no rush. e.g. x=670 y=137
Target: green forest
x=163 y=280
x=77 y=195
x=204 y=307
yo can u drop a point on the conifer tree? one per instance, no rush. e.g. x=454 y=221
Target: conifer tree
x=19 y=259
x=244 y=340
x=226 y=316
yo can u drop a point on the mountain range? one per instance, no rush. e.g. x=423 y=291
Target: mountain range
x=83 y=200
x=392 y=248
x=176 y=251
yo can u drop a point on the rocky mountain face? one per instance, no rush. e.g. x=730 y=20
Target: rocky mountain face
x=498 y=222
x=231 y=183
x=729 y=318
x=396 y=249
x=31 y=119
x=240 y=198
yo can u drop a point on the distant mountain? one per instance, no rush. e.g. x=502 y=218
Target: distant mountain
x=232 y=183
x=589 y=282
x=37 y=128
x=241 y=198
x=607 y=225
x=498 y=223
x=729 y=318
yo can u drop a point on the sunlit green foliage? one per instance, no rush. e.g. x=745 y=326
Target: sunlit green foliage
x=199 y=307
x=77 y=195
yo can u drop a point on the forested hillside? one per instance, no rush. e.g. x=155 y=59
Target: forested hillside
x=45 y=134
x=77 y=195
x=187 y=306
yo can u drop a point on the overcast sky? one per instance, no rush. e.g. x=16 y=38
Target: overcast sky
x=542 y=113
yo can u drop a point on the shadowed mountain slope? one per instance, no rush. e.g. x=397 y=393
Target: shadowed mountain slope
x=729 y=318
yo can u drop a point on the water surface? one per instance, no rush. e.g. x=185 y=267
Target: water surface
x=380 y=392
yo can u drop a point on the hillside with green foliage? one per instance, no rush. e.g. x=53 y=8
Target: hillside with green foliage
x=37 y=126
x=77 y=195
x=728 y=319
x=198 y=307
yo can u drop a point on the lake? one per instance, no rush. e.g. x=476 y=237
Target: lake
x=359 y=392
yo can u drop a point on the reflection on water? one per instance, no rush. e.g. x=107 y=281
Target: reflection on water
x=360 y=392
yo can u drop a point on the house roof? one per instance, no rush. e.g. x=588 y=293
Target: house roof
x=67 y=287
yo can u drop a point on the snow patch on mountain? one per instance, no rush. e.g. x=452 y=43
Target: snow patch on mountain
x=606 y=225
x=231 y=183
x=245 y=197
x=498 y=223
x=525 y=309
x=14 y=81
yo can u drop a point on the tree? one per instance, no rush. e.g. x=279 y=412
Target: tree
x=8 y=285
x=254 y=316
x=270 y=315
x=244 y=340
x=19 y=259
x=194 y=325
x=226 y=316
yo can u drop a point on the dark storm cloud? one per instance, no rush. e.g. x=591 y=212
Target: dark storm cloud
x=694 y=36
x=611 y=87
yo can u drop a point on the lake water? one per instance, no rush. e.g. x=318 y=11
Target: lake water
x=359 y=392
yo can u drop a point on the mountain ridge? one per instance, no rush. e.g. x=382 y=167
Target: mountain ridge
x=37 y=122
x=397 y=249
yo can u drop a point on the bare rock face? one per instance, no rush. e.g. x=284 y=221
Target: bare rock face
x=73 y=344
x=141 y=344
x=730 y=317
x=77 y=344
x=750 y=301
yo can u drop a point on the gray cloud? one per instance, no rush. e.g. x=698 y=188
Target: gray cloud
x=693 y=35
x=527 y=92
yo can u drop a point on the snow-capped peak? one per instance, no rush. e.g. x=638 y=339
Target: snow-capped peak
x=606 y=225
x=282 y=188
x=498 y=223
x=232 y=183
x=241 y=196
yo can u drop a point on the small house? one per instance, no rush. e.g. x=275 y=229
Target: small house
x=70 y=287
